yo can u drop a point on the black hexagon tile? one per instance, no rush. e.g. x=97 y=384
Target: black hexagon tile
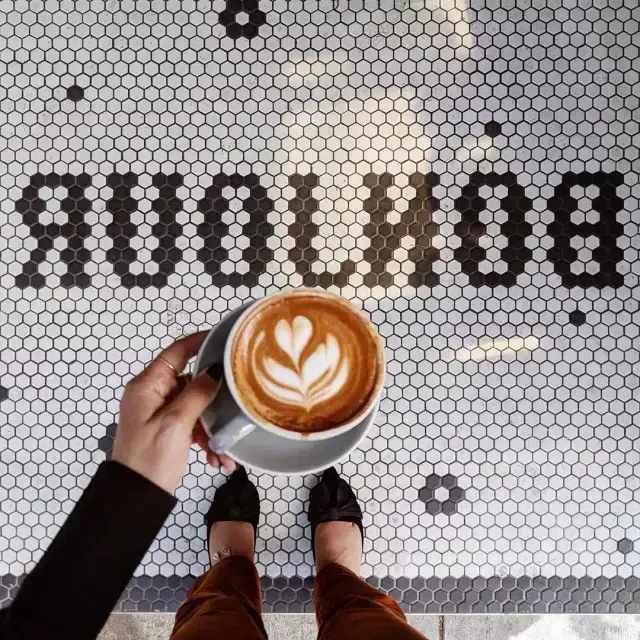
x=105 y=443
x=75 y=93
x=466 y=173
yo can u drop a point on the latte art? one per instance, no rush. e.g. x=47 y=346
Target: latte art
x=306 y=361
x=308 y=378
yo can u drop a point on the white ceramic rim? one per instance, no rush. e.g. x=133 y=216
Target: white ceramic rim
x=285 y=433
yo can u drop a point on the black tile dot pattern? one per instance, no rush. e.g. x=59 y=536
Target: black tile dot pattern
x=625 y=545
x=577 y=317
x=441 y=494
x=75 y=93
x=493 y=128
x=242 y=18
x=465 y=172
x=105 y=443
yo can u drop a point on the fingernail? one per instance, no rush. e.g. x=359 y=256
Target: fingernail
x=216 y=371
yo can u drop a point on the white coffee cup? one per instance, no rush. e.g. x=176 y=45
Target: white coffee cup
x=227 y=418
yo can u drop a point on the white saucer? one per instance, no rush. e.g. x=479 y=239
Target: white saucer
x=265 y=451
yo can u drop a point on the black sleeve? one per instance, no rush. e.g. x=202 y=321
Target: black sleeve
x=72 y=590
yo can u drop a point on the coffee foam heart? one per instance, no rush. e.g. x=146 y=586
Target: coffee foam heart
x=306 y=362
x=309 y=377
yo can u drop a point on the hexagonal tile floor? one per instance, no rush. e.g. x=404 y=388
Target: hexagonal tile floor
x=466 y=171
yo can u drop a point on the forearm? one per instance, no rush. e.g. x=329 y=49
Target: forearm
x=76 y=584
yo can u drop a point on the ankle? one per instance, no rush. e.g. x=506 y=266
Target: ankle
x=238 y=537
x=340 y=543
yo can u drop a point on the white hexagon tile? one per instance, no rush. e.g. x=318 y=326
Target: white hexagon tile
x=465 y=171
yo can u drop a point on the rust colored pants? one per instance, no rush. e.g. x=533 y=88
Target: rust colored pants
x=226 y=604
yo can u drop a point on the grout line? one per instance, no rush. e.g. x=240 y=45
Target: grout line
x=441 y=628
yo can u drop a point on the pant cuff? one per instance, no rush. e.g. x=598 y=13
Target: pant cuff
x=336 y=586
x=227 y=596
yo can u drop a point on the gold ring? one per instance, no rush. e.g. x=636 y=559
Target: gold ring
x=168 y=364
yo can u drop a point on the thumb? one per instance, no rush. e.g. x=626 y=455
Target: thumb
x=196 y=396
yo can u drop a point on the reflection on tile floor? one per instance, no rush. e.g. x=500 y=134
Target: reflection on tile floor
x=465 y=172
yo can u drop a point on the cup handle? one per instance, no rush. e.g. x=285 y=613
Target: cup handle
x=225 y=436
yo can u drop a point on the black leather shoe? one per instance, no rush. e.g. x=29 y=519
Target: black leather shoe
x=236 y=500
x=330 y=500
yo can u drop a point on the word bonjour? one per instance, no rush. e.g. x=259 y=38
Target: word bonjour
x=384 y=236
